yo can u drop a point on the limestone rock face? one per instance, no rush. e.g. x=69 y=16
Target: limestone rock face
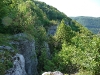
x=53 y=73
x=26 y=47
x=6 y=48
x=46 y=73
x=52 y=30
x=56 y=73
x=18 y=66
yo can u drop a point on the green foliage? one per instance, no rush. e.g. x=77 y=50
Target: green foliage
x=22 y=15
x=65 y=59
x=77 y=27
x=42 y=56
x=3 y=39
x=51 y=12
x=64 y=32
x=73 y=46
x=82 y=54
x=40 y=34
x=84 y=73
x=90 y=52
x=5 y=61
x=92 y=23
x=50 y=66
x=5 y=55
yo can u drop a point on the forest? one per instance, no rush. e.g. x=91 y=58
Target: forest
x=92 y=23
x=73 y=48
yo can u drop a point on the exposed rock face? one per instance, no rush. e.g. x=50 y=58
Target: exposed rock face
x=52 y=30
x=56 y=73
x=18 y=66
x=46 y=73
x=53 y=73
x=6 y=48
x=27 y=48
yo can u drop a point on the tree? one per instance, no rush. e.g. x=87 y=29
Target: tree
x=64 y=32
x=89 y=54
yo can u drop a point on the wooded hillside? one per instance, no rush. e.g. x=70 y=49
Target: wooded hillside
x=70 y=48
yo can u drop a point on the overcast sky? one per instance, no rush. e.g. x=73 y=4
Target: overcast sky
x=76 y=7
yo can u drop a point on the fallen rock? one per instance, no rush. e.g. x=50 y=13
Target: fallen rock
x=53 y=73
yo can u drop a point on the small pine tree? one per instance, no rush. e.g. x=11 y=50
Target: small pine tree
x=64 y=32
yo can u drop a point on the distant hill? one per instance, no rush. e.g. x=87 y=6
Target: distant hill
x=92 y=23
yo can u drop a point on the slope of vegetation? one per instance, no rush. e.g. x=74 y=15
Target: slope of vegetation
x=73 y=47
x=92 y=23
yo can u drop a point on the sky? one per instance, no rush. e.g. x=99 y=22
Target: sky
x=73 y=8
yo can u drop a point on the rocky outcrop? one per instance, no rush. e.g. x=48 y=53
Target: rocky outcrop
x=46 y=73
x=56 y=73
x=52 y=30
x=26 y=47
x=53 y=73
x=18 y=66
x=6 y=48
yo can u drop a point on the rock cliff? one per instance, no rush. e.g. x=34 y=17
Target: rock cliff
x=26 y=47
